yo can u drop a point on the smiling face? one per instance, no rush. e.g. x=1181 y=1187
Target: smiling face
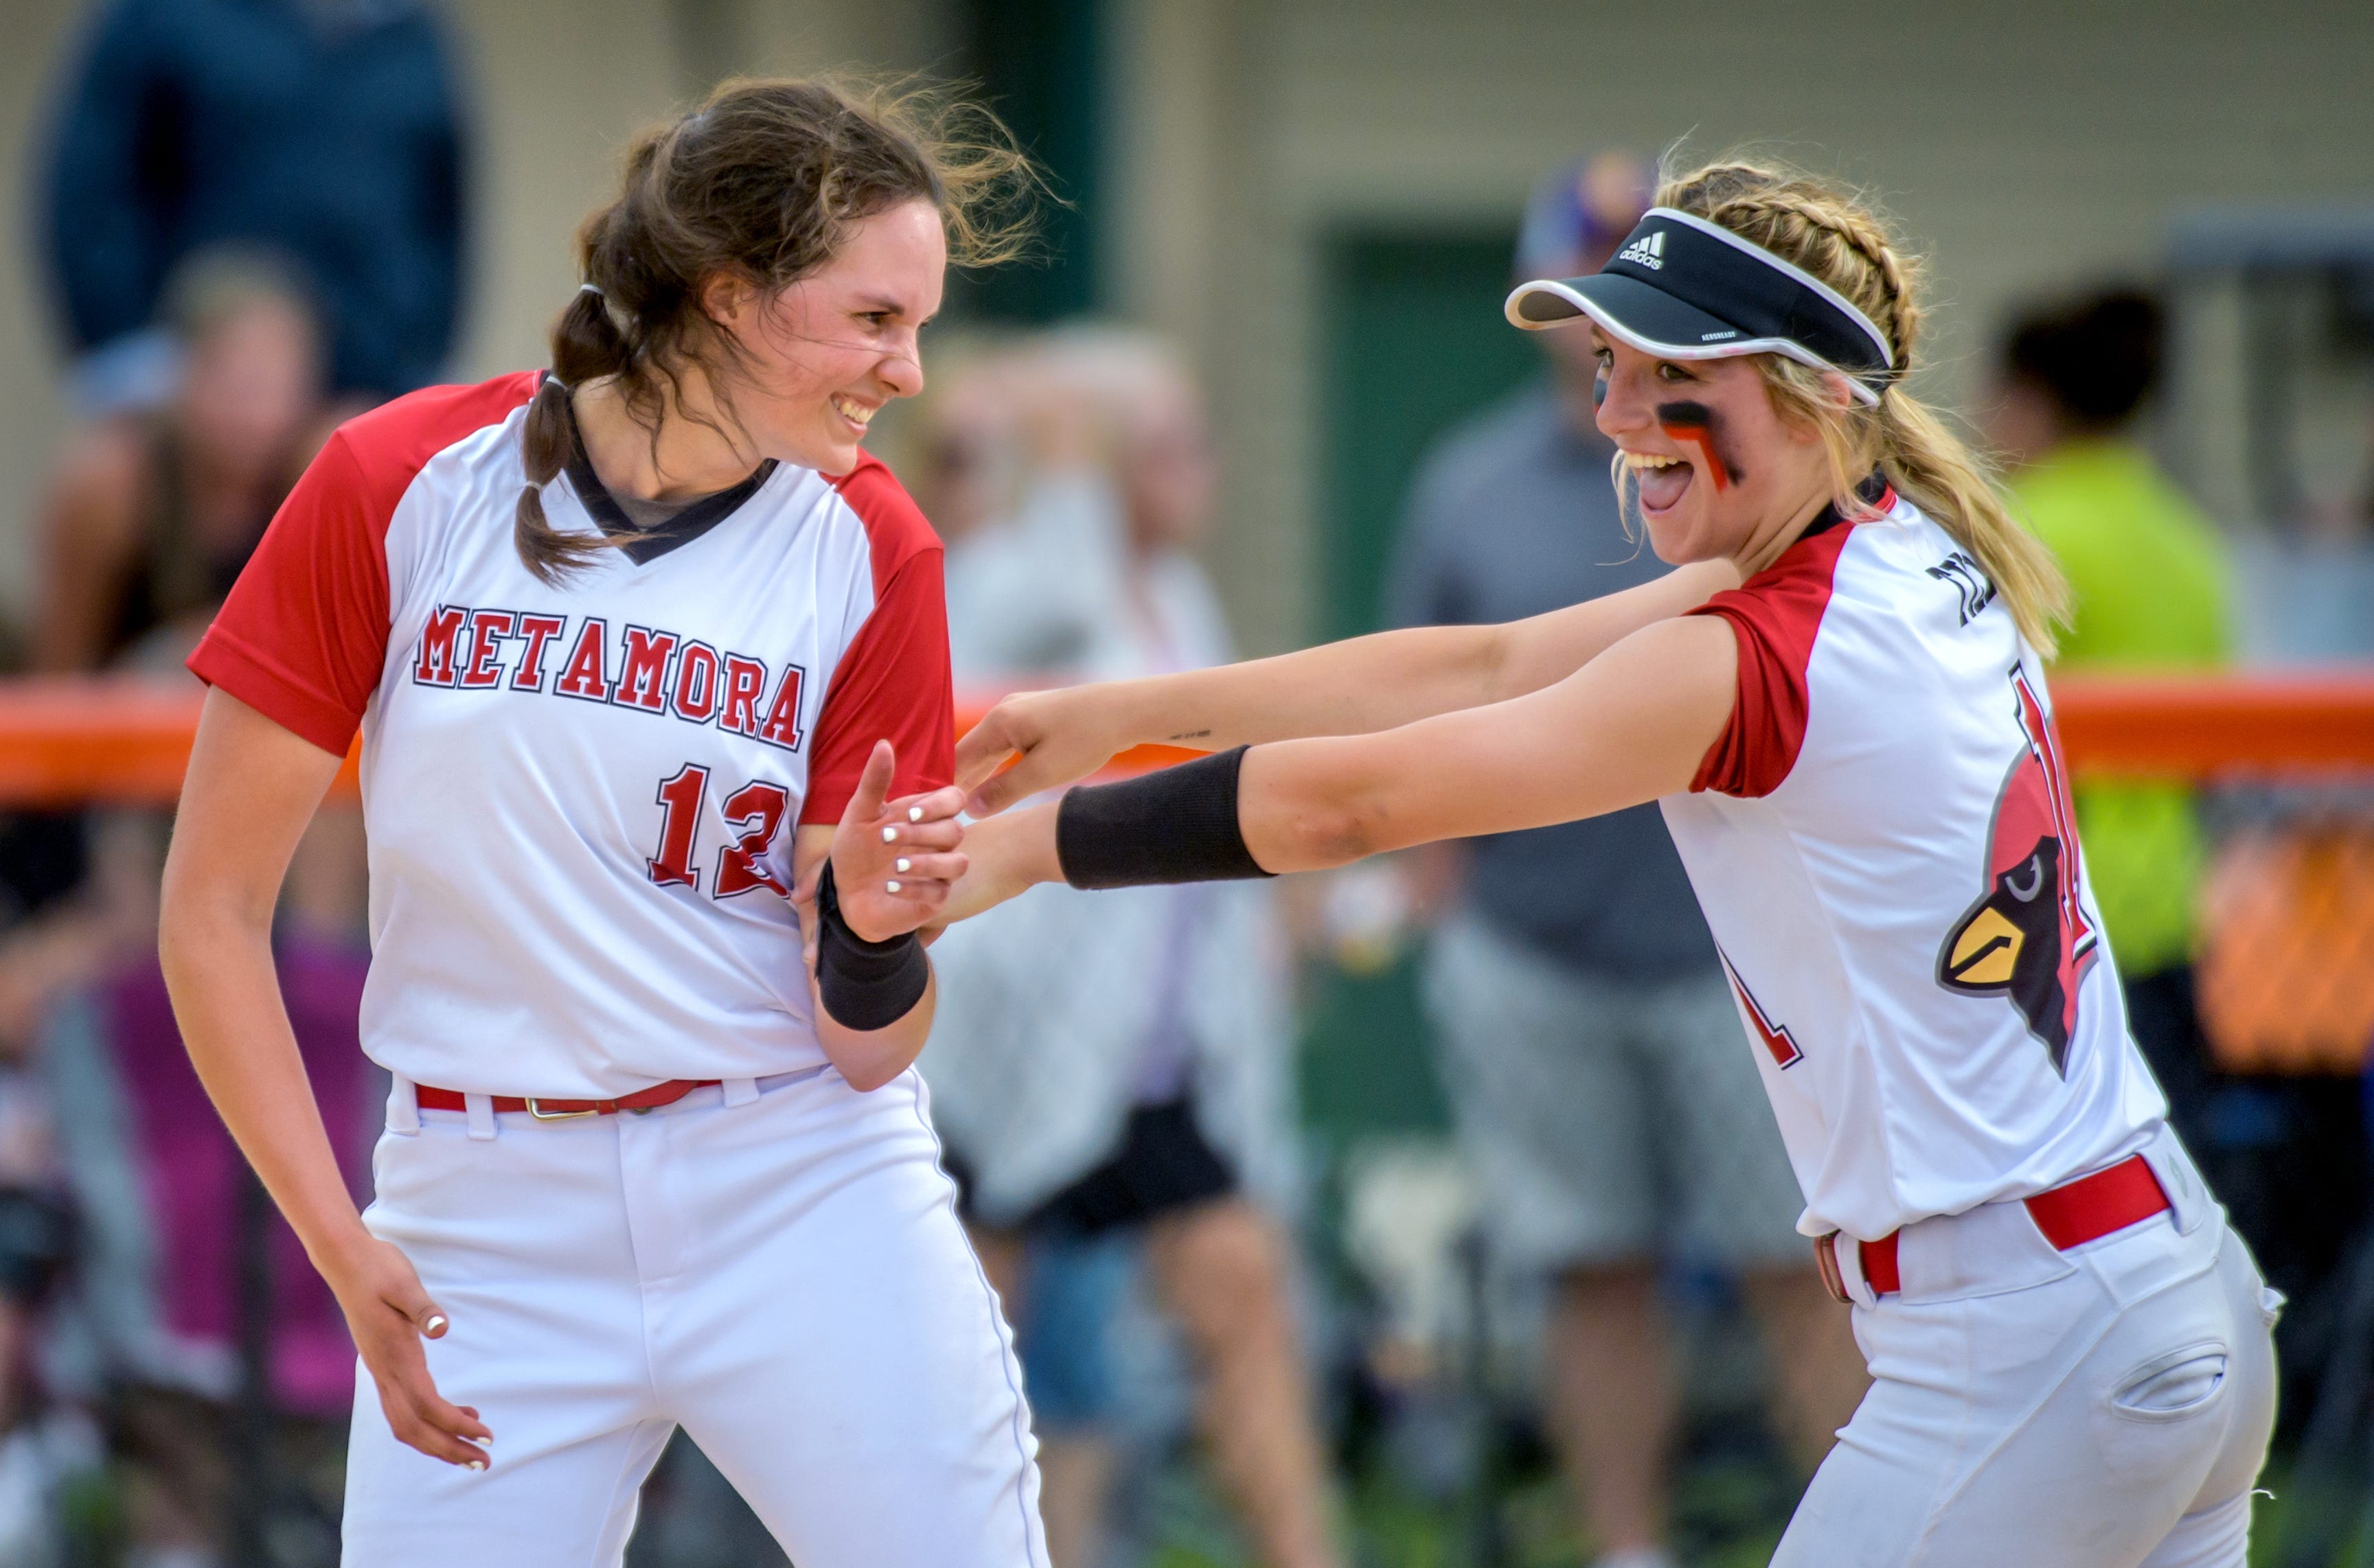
x=820 y=357
x=1720 y=473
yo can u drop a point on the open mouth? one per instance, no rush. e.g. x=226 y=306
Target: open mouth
x=1662 y=480
x=859 y=414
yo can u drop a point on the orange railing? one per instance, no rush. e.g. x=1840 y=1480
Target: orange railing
x=125 y=741
x=2217 y=727
x=2288 y=908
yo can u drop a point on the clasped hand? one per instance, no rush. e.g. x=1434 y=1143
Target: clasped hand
x=893 y=860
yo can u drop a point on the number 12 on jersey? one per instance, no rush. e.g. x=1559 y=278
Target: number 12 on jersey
x=757 y=809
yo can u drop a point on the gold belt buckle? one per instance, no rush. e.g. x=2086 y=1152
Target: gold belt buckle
x=540 y=1114
x=1826 y=1259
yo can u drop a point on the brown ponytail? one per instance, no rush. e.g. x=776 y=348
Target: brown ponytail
x=1839 y=239
x=763 y=182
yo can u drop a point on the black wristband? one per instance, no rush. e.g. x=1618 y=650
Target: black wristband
x=866 y=985
x=1174 y=824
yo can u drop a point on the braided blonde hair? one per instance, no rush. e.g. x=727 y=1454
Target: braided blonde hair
x=1839 y=239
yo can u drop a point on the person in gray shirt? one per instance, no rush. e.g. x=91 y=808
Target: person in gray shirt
x=1597 y=1067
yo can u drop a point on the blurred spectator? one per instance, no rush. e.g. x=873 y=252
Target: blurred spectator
x=1115 y=1068
x=149 y=1325
x=1594 y=1058
x=41 y=1446
x=960 y=448
x=153 y=513
x=147 y=522
x=2152 y=591
x=326 y=130
x=157 y=1304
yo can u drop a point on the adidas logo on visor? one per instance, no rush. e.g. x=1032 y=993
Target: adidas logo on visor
x=1649 y=250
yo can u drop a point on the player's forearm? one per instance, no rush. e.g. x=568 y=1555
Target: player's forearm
x=1544 y=649
x=250 y=788
x=1389 y=679
x=226 y=993
x=1595 y=743
x=1005 y=855
x=1378 y=681
x=1629 y=727
x=870 y=1058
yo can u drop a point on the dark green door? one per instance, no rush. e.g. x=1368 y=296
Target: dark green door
x=1413 y=343
x=1041 y=65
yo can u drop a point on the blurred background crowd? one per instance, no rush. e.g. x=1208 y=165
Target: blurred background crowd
x=1425 y=1213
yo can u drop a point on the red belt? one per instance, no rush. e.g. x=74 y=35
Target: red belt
x=2070 y=1215
x=658 y=1094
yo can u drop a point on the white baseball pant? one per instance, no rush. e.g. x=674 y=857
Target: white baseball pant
x=780 y=1273
x=2104 y=1407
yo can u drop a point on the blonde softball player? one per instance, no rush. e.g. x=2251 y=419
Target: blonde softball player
x=638 y=646
x=1842 y=710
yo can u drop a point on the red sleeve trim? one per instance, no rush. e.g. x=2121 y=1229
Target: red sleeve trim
x=302 y=637
x=895 y=525
x=893 y=682
x=1775 y=617
x=280 y=694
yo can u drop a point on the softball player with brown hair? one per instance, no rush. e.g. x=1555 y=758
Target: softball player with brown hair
x=637 y=646
x=1842 y=711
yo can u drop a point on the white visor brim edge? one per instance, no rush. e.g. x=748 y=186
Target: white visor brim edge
x=1617 y=330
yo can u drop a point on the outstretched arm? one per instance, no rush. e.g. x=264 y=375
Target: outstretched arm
x=1631 y=725
x=1355 y=687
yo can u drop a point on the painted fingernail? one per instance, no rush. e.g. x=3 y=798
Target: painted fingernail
x=892 y=886
x=436 y=1321
x=478 y=1465
x=914 y=814
x=904 y=865
x=890 y=836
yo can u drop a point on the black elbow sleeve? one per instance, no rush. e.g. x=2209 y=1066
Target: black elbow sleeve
x=865 y=985
x=1174 y=824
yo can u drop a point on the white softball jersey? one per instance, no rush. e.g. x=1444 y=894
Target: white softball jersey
x=1883 y=842
x=581 y=800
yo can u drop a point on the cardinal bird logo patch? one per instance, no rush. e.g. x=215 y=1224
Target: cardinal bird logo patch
x=2027 y=938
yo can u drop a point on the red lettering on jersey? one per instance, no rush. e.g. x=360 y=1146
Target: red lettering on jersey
x=783 y=726
x=587 y=674
x=488 y=630
x=536 y=631
x=2045 y=741
x=745 y=680
x=642 y=682
x=758 y=809
x=435 y=664
x=1781 y=1045
x=679 y=800
x=698 y=688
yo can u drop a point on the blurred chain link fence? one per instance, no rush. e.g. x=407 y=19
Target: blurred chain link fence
x=2285 y=976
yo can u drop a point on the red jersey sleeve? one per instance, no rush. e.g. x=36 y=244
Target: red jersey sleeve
x=302 y=636
x=1775 y=617
x=893 y=682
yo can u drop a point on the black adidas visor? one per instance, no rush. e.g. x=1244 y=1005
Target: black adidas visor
x=1683 y=288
